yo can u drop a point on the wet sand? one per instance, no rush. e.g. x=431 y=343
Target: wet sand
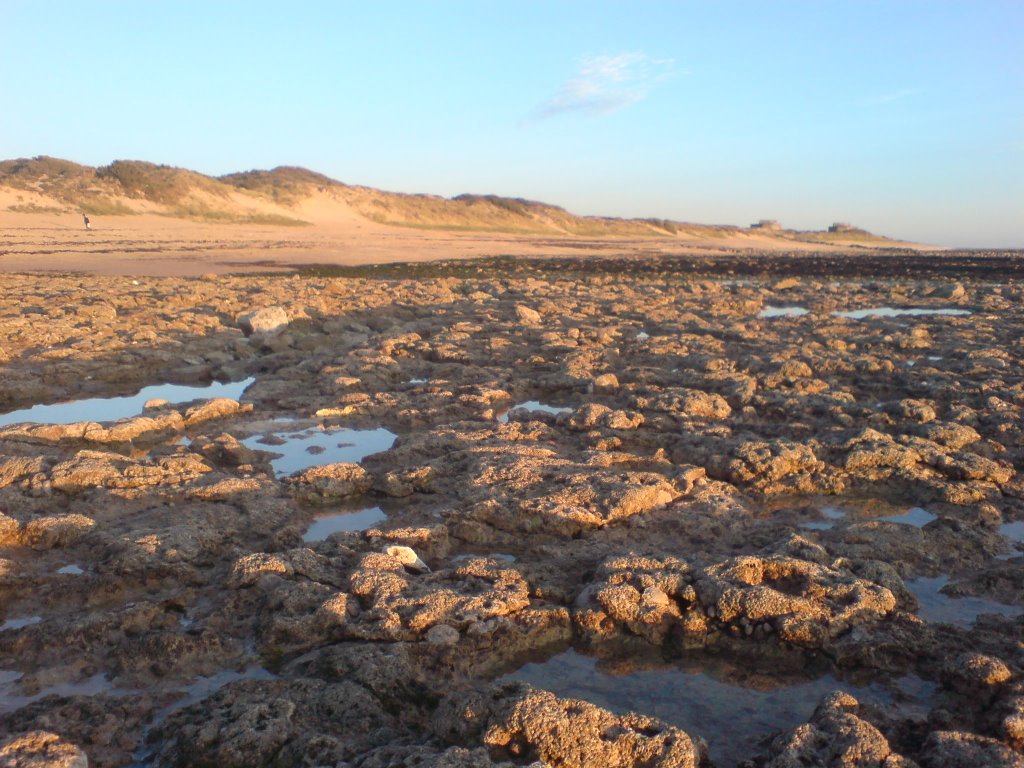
x=148 y=244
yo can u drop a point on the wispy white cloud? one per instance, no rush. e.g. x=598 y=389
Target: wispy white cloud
x=881 y=99
x=606 y=84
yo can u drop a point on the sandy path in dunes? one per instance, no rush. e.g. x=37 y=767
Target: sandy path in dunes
x=149 y=244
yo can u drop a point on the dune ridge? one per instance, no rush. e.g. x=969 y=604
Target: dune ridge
x=293 y=196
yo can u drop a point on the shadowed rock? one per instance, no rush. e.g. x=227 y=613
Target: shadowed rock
x=836 y=737
x=527 y=724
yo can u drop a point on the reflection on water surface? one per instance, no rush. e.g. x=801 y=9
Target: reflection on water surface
x=735 y=707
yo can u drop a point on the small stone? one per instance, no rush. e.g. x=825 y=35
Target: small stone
x=442 y=634
x=623 y=420
x=971 y=671
x=527 y=315
x=952 y=292
x=1013 y=727
x=408 y=557
x=481 y=628
x=653 y=597
x=606 y=383
x=266 y=320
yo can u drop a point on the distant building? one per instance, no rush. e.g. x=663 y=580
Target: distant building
x=767 y=224
x=842 y=226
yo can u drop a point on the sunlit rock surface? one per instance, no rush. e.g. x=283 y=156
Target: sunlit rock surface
x=513 y=464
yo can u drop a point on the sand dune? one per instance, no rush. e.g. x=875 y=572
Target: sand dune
x=155 y=220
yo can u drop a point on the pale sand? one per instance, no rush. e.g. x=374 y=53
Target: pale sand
x=152 y=244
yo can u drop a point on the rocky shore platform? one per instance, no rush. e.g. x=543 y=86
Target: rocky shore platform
x=660 y=513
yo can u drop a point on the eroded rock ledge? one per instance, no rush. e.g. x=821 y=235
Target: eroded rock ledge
x=616 y=462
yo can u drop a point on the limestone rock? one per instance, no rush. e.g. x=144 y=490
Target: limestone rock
x=217 y=408
x=56 y=530
x=397 y=605
x=442 y=634
x=950 y=292
x=527 y=315
x=15 y=468
x=248 y=569
x=327 y=483
x=263 y=321
x=801 y=602
x=760 y=463
x=271 y=722
x=956 y=749
x=587 y=416
x=836 y=737
x=955 y=436
x=606 y=383
x=41 y=749
x=974 y=672
x=522 y=723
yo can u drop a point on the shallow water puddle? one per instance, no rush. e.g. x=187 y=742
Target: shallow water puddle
x=206 y=686
x=72 y=570
x=1015 y=533
x=19 y=623
x=915 y=516
x=199 y=690
x=783 y=312
x=324 y=525
x=103 y=409
x=831 y=514
x=316 y=446
x=862 y=314
x=735 y=708
x=533 y=405
x=11 y=699
x=939 y=608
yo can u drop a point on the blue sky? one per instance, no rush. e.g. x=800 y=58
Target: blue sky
x=903 y=117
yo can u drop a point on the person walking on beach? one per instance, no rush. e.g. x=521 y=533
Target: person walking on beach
x=86 y=220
